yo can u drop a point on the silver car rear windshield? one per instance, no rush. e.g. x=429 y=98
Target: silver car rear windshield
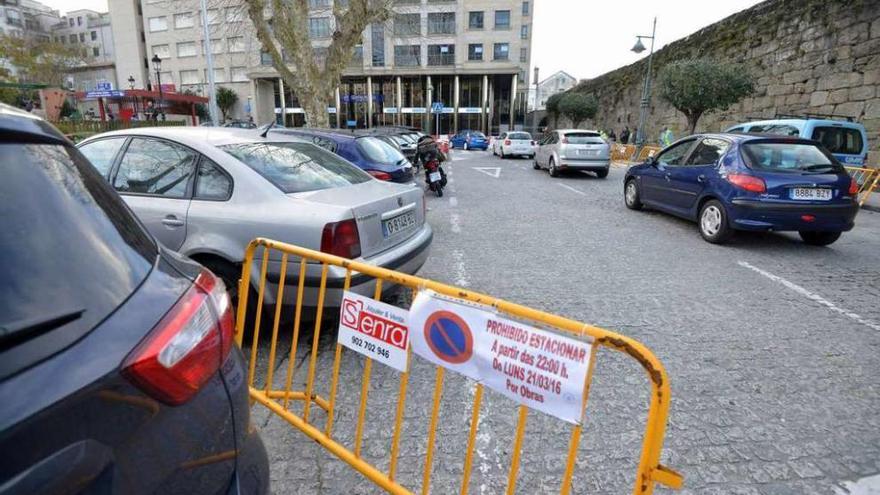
x=788 y=157
x=519 y=135
x=379 y=151
x=297 y=167
x=584 y=138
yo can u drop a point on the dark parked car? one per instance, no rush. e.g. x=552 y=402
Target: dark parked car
x=118 y=370
x=733 y=181
x=403 y=142
x=373 y=155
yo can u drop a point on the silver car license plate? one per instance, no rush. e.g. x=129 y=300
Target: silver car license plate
x=399 y=223
x=588 y=152
x=811 y=193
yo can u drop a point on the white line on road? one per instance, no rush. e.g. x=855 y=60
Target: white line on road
x=460 y=270
x=572 y=189
x=490 y=171
x=453 y=219
x=809 y=295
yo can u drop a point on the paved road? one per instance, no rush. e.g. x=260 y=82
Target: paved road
x=772 y=346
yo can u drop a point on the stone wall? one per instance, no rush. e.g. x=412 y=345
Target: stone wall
x=816 y=56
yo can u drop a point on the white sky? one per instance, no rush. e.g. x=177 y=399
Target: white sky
x=585 y=38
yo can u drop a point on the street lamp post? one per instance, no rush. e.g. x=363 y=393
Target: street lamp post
x=646 y=92
x=535 y=108
x=157 y=65
x=131 y=87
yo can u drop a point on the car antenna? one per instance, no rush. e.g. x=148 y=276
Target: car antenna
x=264 y=130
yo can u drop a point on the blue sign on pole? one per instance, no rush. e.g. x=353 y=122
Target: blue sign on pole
x=103 y=86
x=351 y=123
x=437 y=107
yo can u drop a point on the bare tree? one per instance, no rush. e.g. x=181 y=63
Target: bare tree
x=286 y=34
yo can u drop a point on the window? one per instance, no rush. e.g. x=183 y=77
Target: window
x=523 y=54
x=708 y=152
x=408 y=25
x=441 y=54
x=297 y=167
x=407 y=55
x=775 y=129
x=475 y=51
x=319 y=27
x=839 y=139
x=239 y=74
x=219 y=75
x=155 y=167
x=186 y=49
x=502 y=19
x=101 y=153
x=163 y=51
x=265 y=58
x=158 y=24
x=379 y=151
x=70 y=21
x=475 y=20
x=189 y=77
x=319 y=4
x=675 y=155
x=212 y=183
x=524 y=31
x=213 y=16
x=96 y=51
x=441 y=23
x=236 y=44
x=216 y=46
x=79 y=21
x=234 y=14
x=501 y=51
x=525 y=8
x=788 y=157
x=72 y=38
x=184 y=20
x=82 y=37
x=377 y=33
x=94 y=35
x=584 y=138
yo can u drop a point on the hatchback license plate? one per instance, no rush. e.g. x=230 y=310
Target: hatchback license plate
x=811 y=193
x=399 y=223
x=588 y=152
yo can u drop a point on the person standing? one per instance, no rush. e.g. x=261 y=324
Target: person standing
x=665 y=138
x=612 y=136
x=624 y=135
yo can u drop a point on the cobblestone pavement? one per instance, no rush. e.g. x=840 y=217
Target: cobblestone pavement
x=772 y=347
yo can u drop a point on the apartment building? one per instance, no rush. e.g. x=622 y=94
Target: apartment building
x=90 y=32
x=472 y=56
x=557 y=83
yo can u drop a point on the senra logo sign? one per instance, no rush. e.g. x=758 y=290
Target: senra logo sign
x=367 y=322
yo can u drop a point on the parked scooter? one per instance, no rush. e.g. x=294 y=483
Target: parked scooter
x=431 y=157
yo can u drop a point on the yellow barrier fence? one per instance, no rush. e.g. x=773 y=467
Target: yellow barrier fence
x=868 y=180
x=278 y=394
x=622 y=152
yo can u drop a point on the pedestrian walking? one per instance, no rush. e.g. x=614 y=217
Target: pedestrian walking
x=612 y=136
x=666 y=137
x=624 y=135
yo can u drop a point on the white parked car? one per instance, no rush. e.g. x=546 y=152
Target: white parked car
x=573 y=149
x=514 y=143
x=207 y=191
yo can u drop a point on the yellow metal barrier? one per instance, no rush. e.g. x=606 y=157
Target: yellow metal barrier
x=647 y=152
x=867 y=178
x=278 y=399
x=622 y=152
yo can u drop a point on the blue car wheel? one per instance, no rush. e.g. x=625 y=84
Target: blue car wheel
x=713 y=222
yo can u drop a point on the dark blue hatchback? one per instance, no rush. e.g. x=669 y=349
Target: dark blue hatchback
x=370 y=153
x=729 y=182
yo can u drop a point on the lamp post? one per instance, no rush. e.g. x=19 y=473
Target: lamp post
x=535 y=108
x=131 y=87
x=157 y=65
x=646 y=92
x=130 y=82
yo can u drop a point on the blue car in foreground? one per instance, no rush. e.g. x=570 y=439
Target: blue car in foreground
x=469 y=140
x=732 y=181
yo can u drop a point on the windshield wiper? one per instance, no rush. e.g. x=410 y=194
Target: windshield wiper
x=820 y=166
x=15 y=332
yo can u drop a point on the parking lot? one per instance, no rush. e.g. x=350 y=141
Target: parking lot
x=771 y=347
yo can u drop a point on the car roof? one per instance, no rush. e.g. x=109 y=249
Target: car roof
x=566 y=131
x=748 y=136
x=799 y=122
x=195 y=136
x=19 y=125
x=340 y=133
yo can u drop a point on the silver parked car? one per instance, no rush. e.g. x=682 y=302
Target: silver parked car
x=206 y=192
x=514 y=143
x=573 y=149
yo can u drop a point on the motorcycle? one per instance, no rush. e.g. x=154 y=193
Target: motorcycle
x=435 y=176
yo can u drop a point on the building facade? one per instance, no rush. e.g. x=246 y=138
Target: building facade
x=470 y=56
x=92 y=33
x=559 y=82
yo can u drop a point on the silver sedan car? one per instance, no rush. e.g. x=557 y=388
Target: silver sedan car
x=206 y=192
x=573 y=149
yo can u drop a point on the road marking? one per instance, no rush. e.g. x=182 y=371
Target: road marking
x=810 y=295
x=865 y=486
x=572 y=189
x=490 y=171
x=453 y=219
x=461 y=278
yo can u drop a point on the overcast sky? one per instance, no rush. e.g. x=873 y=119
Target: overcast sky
x=585 y=38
